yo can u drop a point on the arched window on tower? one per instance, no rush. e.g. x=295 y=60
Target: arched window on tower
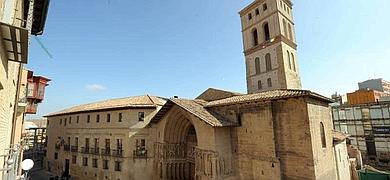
x=268 y=64
x=293 y=62
x=323 y=137
x=289 y=60
x=266 y=32
x=285 y=28
x=257 y=65
x=290 y=34
x=269 y=82
x=255 y=37
x=259 y=85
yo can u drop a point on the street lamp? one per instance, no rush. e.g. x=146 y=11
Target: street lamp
x=27 y=164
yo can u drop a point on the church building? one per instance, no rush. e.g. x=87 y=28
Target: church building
x=276 y=131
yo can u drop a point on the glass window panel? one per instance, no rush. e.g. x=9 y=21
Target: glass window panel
x=342 y=114
x=335 y=114
x=375 y=113
x=351 y=129
x=349 y=113
x=386 y=113
x=358 y=113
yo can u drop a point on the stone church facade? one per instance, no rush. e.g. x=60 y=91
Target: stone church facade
x=276 y=131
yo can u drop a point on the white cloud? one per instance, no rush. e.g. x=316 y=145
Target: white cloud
x=95 y=87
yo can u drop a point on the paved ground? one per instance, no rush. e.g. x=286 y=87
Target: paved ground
x=39 y=175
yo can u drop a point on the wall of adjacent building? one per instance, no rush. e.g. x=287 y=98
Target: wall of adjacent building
x=129 y=130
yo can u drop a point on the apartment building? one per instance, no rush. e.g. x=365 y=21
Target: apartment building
x=18 y=20
x=103 y=140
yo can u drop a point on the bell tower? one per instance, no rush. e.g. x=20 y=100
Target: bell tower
x=270 y=47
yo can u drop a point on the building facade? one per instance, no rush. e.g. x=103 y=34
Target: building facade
x=18 y=20
x=103 y=140
x=376 y=84
x=369 y=129
x=270 y=46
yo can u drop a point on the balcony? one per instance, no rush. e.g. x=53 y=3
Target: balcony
x=15 y=42
x=85 y=150
x=66 y=147
x=117 y=153
x=140 y=153
x=106 y=152
x=94 y=151
x=74 y=148
x=31 y=108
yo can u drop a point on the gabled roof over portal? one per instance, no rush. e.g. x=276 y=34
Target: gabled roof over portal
x=196 y=108
x=212 y=94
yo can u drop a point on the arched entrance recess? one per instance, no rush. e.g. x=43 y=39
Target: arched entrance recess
x=176 y=155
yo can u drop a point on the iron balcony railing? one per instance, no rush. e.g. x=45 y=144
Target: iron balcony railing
x=74 y=148
x=94 y=151
x=140 y=153
x=117 y=153
x=66 y=147
x=85 y=150
x=106 y=152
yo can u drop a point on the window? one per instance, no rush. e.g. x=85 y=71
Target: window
x=85 y=161
x=65 y=120
x=76 y=141
x=293 y=62
x=285 y=28
x=118 y=166
x=105 y=164
x=118 y=143
x=266 y=32
x=120 y=117
x=265 y=6
x=281 y=4
x=259 y=85
x=55 y=155
x=257 y=65
x=48 y=122
x=70 y=120
x=269 y=82
x=140 y=147
x=108 y=118
x=255 y=37
x=68 y=141
x=257 y=11
x=74 y=159
x=290 y=34
x=94 y=163
x=289 y=60
x=107 y=144
x=288 y=10
x=60 y=121
x=141 y=116
x=323 y=137
x=97 y=118
x=77 y=119
x=249 y=16
x=88 y=118
x=86 y=142
x=268 y=64
x=96 y=142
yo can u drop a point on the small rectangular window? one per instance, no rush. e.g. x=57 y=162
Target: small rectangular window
x=60 y=121
x=141 y=116
x=55 y=155
x=120 y=117
x=94 y=163
x=118 y=166
x=77 y=119
x=88 y=118
x=85 y=161
x=105 y=164
x=97 y=118
x=108 y=117
x=249 y=16
x=65 y=120
x=74 y=159
x=70 y=120
x=48 y=122
x=257 y=11
x=265 y=6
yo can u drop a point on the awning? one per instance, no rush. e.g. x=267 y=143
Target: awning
x=15 y=42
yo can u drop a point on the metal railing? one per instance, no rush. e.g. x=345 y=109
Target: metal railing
x=66 y=147
x=117 y=153
x=94 y=151
x=106 y=152
x=74 y=148
x=85 y=150
x=140 y=153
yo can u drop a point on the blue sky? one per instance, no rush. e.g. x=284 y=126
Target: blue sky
x=117 y=48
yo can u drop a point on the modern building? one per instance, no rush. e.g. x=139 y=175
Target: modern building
x=369 y=129
x=364 y=96
x=376 y=84
x=103 y=140
x=18 y=20
x=276 y=131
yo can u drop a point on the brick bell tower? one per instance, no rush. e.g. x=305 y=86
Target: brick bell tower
x=270 y=47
